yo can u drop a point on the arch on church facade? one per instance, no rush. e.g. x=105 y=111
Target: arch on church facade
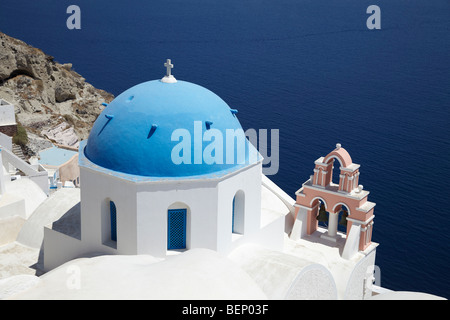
x=238 y=212
x=336 y=172
x=313 y=213
x=313 y=202
x=337 y=207
x=342 y=155
x=330 y=158
x=109 y=219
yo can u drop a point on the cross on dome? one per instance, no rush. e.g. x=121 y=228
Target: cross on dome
x=169 y=78
x=169 y=67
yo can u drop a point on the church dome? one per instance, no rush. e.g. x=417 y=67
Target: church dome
x=137 y=132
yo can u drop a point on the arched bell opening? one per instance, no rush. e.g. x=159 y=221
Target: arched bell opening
x=323 y=215
x=343 y=213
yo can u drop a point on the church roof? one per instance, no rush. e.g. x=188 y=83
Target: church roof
x=159 y=129
x=197 y=274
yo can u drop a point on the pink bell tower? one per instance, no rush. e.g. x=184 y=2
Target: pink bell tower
x=347 y=193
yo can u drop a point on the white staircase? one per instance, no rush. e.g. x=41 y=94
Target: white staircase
x=17 y=150
x=39 y=175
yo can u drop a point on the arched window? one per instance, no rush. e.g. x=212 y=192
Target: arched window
x=336 y=175
x=113 y=219
x=343 y=212
x=109 y=223
x=232 y=219
x=323 y=215
x=335 y=170
x=238 y=212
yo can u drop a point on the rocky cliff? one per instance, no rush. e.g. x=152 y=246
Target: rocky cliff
x=51 y=100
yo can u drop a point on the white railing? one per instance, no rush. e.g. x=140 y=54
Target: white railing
x=39 y=176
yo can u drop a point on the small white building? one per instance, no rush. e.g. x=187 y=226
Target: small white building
x=8 y=124
x=155 y=181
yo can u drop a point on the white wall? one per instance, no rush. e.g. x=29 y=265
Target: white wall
x=7 y=115
x=98 y=189
x=285 y=276
x=142 y=212
x=359 y=284
x=39 y=175
x=5 y=141
x=96 y=192
x=300 y=224
x=209 y=211
x=153 y=203
x=248 y=181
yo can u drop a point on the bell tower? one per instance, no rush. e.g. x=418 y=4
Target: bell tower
x=320 y=194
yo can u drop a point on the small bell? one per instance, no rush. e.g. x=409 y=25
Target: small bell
x=322 y=216
x=343 y=221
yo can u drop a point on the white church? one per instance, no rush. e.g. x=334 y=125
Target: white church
x=163 y=214
x=135 y=199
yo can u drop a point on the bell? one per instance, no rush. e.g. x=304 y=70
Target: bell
x=322 y=216
x=343 y=221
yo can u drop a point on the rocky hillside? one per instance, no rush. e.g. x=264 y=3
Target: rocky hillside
x=51 y=100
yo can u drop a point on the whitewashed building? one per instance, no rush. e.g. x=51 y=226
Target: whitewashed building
x=173 y=204
x=167 y=168
x=8 y=124
x=167 y=171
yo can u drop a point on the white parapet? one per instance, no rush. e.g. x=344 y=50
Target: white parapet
x=39 y=175
x=7 y=115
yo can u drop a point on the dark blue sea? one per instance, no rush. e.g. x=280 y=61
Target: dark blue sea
x=313 y=70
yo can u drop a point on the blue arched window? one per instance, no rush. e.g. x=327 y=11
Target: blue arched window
x=113 y=216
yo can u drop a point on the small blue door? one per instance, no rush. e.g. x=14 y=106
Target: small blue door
x=176 y=233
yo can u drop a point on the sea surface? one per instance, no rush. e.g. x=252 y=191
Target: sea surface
x=313 y=70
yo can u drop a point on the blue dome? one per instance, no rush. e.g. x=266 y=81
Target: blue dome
x=135 y=133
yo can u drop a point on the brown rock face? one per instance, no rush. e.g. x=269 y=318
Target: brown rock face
x=46 y=93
